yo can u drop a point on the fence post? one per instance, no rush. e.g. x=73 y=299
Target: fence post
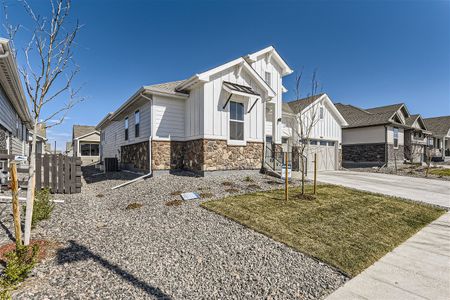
x=46 y=165
x=15 y=204
x=286 y=180
x=60 y=174
x=54 y=174
x=66 y=175
x=38 y=172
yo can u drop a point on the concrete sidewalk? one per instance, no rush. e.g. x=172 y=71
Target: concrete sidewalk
x=417 y=269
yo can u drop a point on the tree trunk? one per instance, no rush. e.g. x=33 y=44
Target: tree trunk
x=302 y=159
x=16 y=205
x=31 y=187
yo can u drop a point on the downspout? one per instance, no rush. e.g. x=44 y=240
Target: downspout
x=149 y=153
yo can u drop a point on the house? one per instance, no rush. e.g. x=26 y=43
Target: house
x=41 y=139
x=86 y=144
x=321 y=130
x=440 y=130
x=376 y=136
x=69 y=149
x=15 y=118
x=212 y=121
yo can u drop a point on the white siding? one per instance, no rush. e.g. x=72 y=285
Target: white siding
x=114 y=133
x=363 y=135
x=216 y=118
x=390 y=135
x=327 y=128
x=169 y=118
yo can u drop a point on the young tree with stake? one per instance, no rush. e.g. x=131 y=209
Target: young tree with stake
x=48 y=73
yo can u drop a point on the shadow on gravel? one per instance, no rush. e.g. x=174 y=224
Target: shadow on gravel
x=77 y=252
x=93 y=175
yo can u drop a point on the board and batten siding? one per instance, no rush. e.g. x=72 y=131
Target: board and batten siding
x=216 y=117
x=327 y=128
x=261 y=66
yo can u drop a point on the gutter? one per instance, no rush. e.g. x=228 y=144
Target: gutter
x=149 y=156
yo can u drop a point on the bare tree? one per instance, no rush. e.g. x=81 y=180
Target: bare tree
x=48 y=73
x=304 y=120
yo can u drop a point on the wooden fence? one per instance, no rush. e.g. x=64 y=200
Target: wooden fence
x=59 y=173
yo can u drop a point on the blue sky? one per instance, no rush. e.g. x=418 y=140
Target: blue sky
x=368 y=53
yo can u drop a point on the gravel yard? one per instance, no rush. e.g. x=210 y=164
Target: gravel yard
x=158 y=251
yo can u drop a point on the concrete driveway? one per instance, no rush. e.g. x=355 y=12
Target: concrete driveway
x=431 y=191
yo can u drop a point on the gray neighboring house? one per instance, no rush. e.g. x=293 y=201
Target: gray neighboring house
x=440 y=143
x=86 y=144
x=15 y=119
x=381 y=136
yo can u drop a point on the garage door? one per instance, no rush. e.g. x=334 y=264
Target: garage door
x=326 y=155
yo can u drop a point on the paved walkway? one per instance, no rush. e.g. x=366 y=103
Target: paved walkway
x=417 y=269
x=431 y=191
x=420 y=267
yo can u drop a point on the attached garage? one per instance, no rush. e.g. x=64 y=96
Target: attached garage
x=327 y=153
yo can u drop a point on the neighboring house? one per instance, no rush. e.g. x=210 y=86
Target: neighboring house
x=416 y=139
x=440 y=130
x=86 y=143
x=15 y=119
x=69 y=149
x=376 y=136
x=322 y=128
x=212 y=121
x=41 y=139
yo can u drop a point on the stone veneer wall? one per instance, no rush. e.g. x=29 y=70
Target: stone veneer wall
x=395 y=155
x=167 y=155
x=206 y=155
x=375 y=153
x=3 y=138
x=135 y=155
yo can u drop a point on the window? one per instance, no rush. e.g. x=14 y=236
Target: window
x=330 y=143
x=268 y=78
x=87 y=149
x=321 y=112
x=323 y=143
x=136 y=125
x=236 y=121
x=126 y=129
x=313 y=142
x=395 y=137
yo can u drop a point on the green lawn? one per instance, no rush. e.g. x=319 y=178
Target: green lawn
x=345 y=228
x=440 y=172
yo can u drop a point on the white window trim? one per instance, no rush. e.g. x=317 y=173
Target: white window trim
x=243 y=142
x=393 y=137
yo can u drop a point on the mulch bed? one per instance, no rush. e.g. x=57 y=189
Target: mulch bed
x=44 y=247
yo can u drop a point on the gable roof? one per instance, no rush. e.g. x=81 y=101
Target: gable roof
x=286 y=108
x=167 y=88
x=358 y=117
x=82 y=130
x=299 y=105
x=271 y=53
x=439 y=126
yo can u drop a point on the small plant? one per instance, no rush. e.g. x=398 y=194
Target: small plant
x=19 y=264
x=254 y=186
x=232 y=190
x=273 y=182
x=100 y=196
x=134 y=205
x=206 y=195
x=176 y=193
x=174 y=203
x=42 y=208
x=227 y=183
x=248 y=179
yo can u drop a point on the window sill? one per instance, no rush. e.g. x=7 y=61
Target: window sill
x=236 y=143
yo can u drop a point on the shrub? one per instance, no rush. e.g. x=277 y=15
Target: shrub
x=174 y=203
x=133 y=205
x=206 y=195
x=19 y=264
x=176 y=193
x=248 y=179
x=42 y=208
x=231 y=190
x=254 y=186
x=227 y=183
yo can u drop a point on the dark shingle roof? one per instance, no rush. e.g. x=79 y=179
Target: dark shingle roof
x=411 y=119
x=385 y=109
x=439 y=125
x=80 y=130
x=287 y=109
x=358 y=117
x=299 y=105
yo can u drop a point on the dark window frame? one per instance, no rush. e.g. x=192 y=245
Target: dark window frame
x=137 y=121
x=90 y=149
x=126 y=128
x=237 y=121
x=395 y=136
